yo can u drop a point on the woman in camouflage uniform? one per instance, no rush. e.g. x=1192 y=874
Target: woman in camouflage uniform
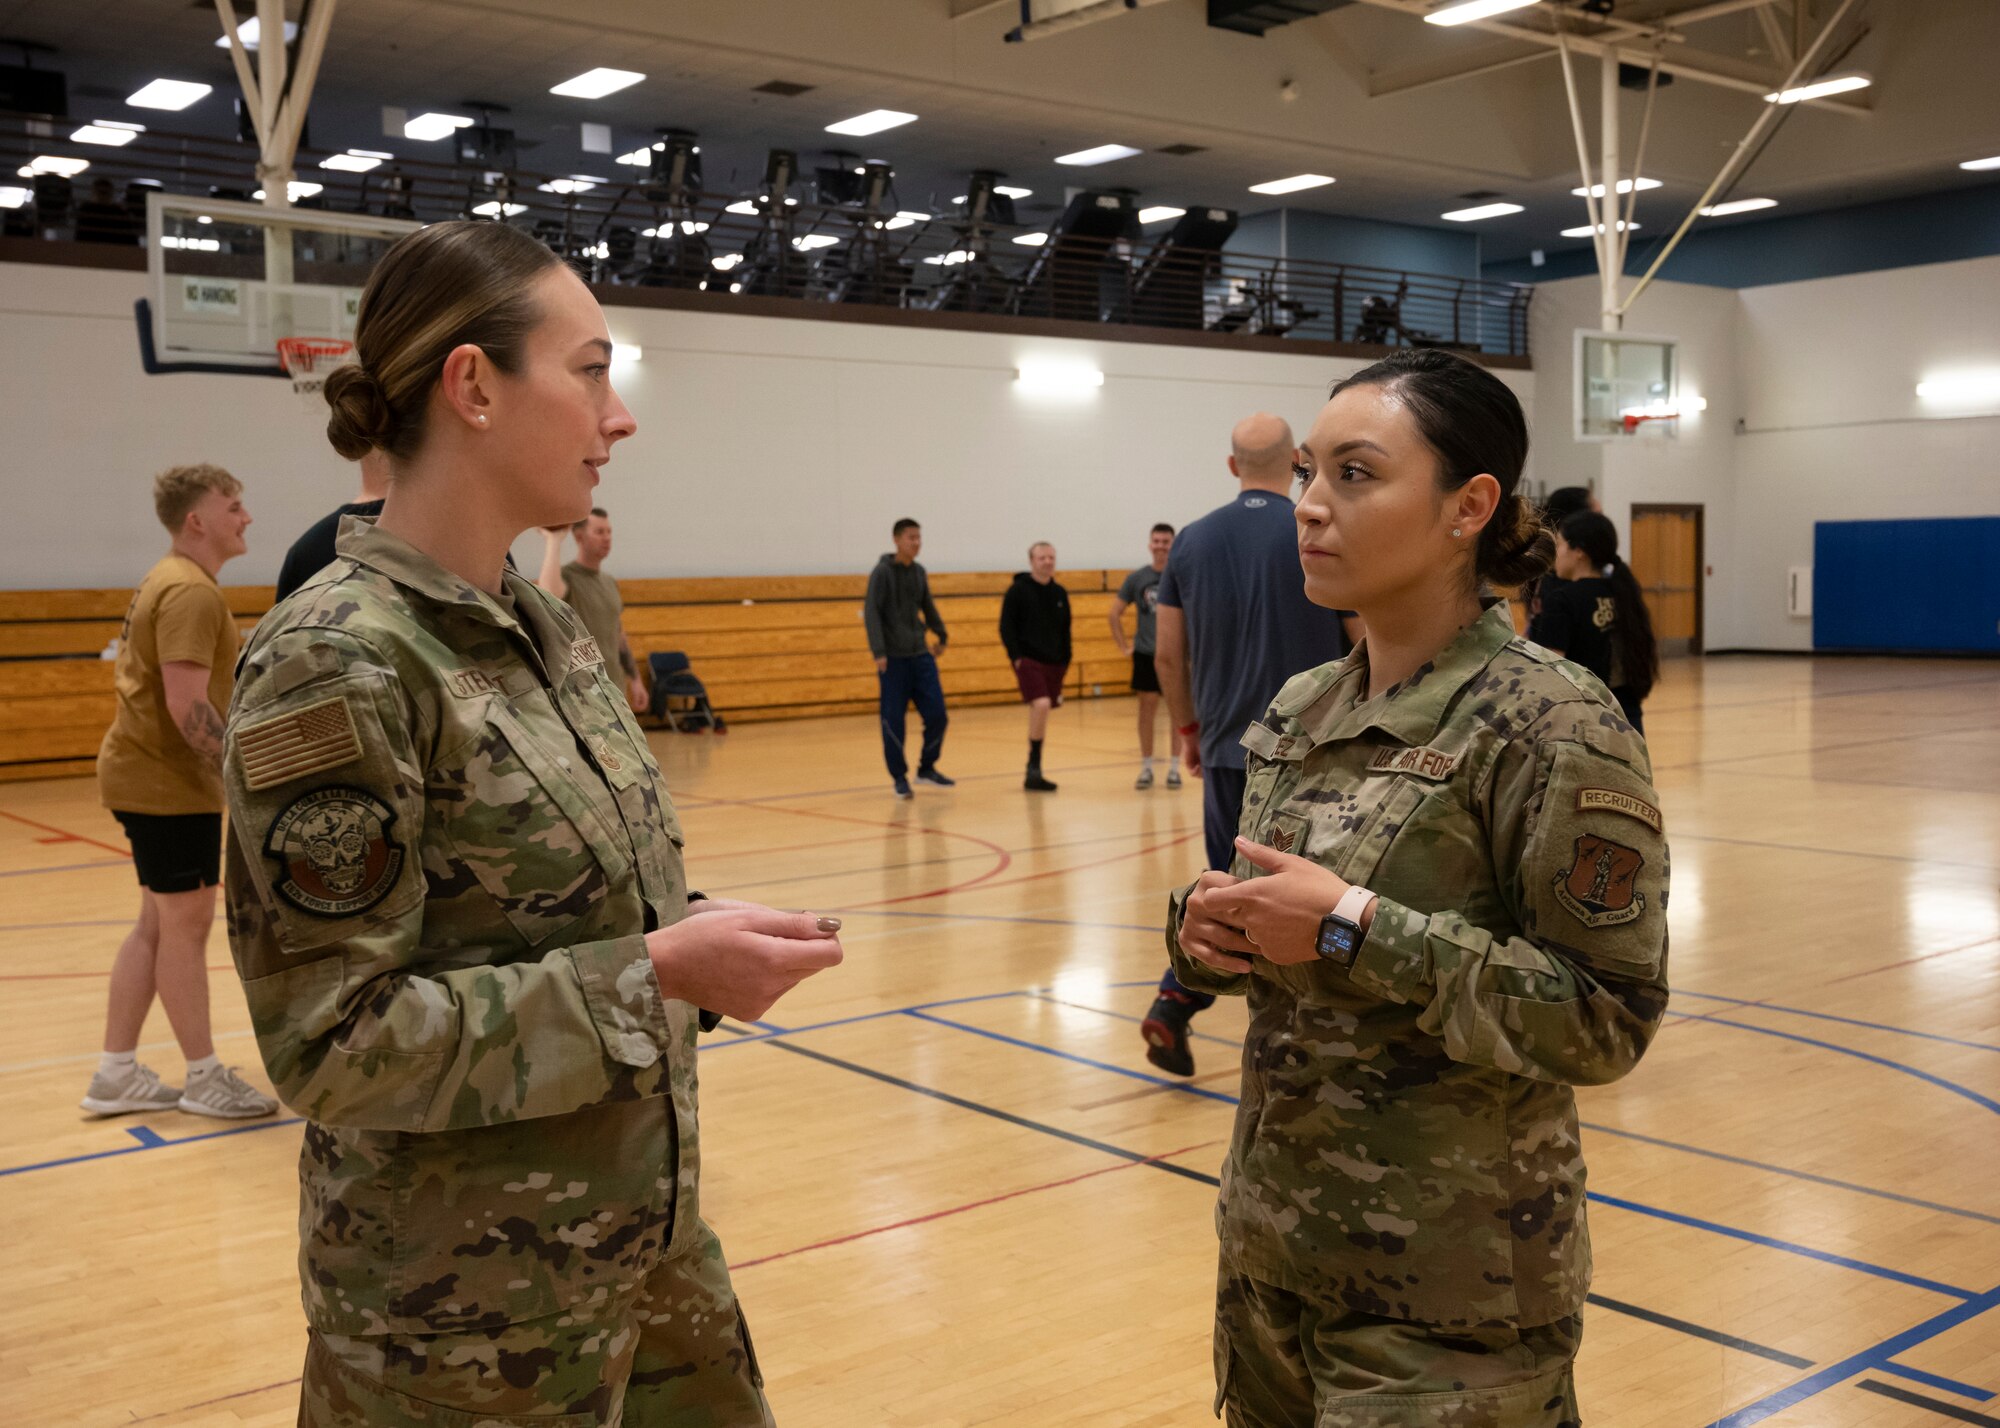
x=1448 y=909
x=457 y=904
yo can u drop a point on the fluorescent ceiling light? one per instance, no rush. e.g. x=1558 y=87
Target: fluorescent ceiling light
x=1031 y=240
x=193 y=245
x=434 y=126
x=1624 y=186
x=1485 y=210
x=873 y=122
x=1820 y=88
x=54 y=164
x=355 y=161
x=493 y=208
x=575 y=183
x=11 y=197
x=1979 y=164
x=169 y=94
x=725 y=261
x=1293 y=184
x=597 y=83
x=951 y=259
x=1469 y=10
x=810 y=241
x=1102 y=154
x=108 y=132
x=666 y=230
x=743 y=206
x=1585 y=231
x=1961 y=387
x=1160 y=214
x=1007 y=191
x=639 y=157
x=249 y=30
x=295 y=190
x=1056 y=378
x=907 y=219
x=1739 y=205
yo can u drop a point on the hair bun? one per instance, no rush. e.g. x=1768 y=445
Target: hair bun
x=359 y=419
x=1517 y=547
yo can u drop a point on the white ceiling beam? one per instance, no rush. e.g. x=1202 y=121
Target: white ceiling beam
x=1410 y=77
x=1701 y=66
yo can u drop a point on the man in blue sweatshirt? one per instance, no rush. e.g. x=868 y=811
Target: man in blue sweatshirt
x=898 y=611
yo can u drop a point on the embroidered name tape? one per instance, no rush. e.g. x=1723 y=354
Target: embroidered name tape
x=1424 y=763
x=471 y=683
x=306 y=741
x=584 y=653
x=1610 y=800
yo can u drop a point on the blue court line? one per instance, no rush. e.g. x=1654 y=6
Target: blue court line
x=1593 y=1126
x=1949 y=1385
x=1843 y=1020
x=1181 y=1086
x=68 y=868
x=148 y=1139
x=1984 y=1101
x=1875 y=1358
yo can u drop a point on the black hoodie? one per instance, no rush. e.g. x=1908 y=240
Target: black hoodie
x=1034 y=621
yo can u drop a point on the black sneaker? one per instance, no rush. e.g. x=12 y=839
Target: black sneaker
x=903 y=788
x=933 y=776
x=1166 y=1031
x=1035 y=783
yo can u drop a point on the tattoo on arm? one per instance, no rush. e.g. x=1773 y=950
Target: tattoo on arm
x=203 y=729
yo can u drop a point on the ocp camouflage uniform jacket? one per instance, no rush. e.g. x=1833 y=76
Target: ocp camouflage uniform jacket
x=1406 y=1144
x=446 y=839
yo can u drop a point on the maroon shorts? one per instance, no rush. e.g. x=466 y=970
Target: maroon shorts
x=1039 y=681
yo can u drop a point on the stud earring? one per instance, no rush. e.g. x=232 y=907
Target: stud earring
x=1456 y=532
x=482 y=418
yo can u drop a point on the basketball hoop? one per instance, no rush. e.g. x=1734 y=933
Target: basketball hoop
x=1633 y=420
x=308 y=360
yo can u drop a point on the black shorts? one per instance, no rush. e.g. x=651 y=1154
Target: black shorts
x=1144 y=679
x=175 y=852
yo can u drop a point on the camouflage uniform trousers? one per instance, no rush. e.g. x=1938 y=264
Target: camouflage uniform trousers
x=676 y=1353
x=1285 y=1361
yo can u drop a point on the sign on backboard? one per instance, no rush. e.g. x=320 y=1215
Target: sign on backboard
x=226 y=279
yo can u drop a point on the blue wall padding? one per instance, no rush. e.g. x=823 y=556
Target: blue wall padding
x=1929 y=585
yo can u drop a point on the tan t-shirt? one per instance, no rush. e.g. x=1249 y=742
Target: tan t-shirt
x=177 y=614
x=594 y=596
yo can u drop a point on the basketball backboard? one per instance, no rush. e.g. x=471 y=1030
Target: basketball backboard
x=227 y=279
x=1622 y=375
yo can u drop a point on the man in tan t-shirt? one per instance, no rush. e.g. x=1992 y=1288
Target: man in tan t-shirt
x=159 y=772
x=592 y=593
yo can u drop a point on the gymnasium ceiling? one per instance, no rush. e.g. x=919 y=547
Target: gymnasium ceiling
x=1376 y=98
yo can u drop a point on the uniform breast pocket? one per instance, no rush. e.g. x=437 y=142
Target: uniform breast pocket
x=526 y=827
x=1353 y=836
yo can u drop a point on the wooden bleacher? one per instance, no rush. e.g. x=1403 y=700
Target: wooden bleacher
x=767 y=647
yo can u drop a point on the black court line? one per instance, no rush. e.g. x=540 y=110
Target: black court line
x=1935 y=1405
x=1665 y=1321
x=1022 y=1121
x=1714 y=1336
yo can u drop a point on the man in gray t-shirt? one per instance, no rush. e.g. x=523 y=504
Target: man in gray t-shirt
x=1142 y=590
x=1234 y=625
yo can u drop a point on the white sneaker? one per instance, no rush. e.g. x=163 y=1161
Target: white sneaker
x=224 y=1094
x=1144 y=780
x=139 y=1089
x=1174 y=776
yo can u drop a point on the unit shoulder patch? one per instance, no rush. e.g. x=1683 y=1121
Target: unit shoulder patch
x=333 y=851
x=1599 y=887
x=1610 y=800
x=305 y=741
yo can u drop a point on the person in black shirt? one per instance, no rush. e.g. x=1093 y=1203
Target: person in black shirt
x=1595 y=614
x=1034 y=626
x=1562 y=503
x=313 y=552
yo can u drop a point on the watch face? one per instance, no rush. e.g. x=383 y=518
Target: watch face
x=1338 y=939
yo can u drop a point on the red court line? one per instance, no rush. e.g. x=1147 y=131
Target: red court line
x=1006 y=858
x=1912 y=961
x=971 y=1205
x=68 y=976
x=65 y=834
x=206 y=1402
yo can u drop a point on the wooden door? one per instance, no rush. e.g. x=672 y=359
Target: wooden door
x=1666 y=556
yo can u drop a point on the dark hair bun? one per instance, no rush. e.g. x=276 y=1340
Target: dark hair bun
x=359 y=419
x=1515 y=546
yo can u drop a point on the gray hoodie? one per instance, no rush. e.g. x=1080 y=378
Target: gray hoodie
x=899 y=608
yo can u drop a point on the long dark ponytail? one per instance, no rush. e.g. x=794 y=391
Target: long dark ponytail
x=1639 y=652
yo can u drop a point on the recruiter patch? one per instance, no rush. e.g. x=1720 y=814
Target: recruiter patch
x=1610 y=800
x=1599 y=888
x=333 y=852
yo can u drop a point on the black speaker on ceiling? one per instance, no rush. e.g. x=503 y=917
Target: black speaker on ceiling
x=34 y=91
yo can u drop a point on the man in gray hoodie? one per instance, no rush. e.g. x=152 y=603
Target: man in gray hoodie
x=898 y=611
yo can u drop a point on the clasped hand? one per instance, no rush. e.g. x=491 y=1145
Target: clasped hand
x=738 y=958
x=1230 y=920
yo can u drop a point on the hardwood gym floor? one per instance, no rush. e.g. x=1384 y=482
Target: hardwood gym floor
x=954 y=1192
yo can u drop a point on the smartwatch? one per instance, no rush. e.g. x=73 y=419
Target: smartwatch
x=707 y=1020
x=1340 y=934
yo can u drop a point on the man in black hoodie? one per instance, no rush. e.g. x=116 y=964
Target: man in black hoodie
x=898 y=611
x=1034 y=626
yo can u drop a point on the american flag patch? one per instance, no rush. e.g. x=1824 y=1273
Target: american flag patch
x=305 y=741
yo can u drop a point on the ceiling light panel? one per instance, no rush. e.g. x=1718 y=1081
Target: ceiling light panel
x=1102 y=154
x=1297 y=183
x=873 y=122
x=169 y=94
x=596 y=83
